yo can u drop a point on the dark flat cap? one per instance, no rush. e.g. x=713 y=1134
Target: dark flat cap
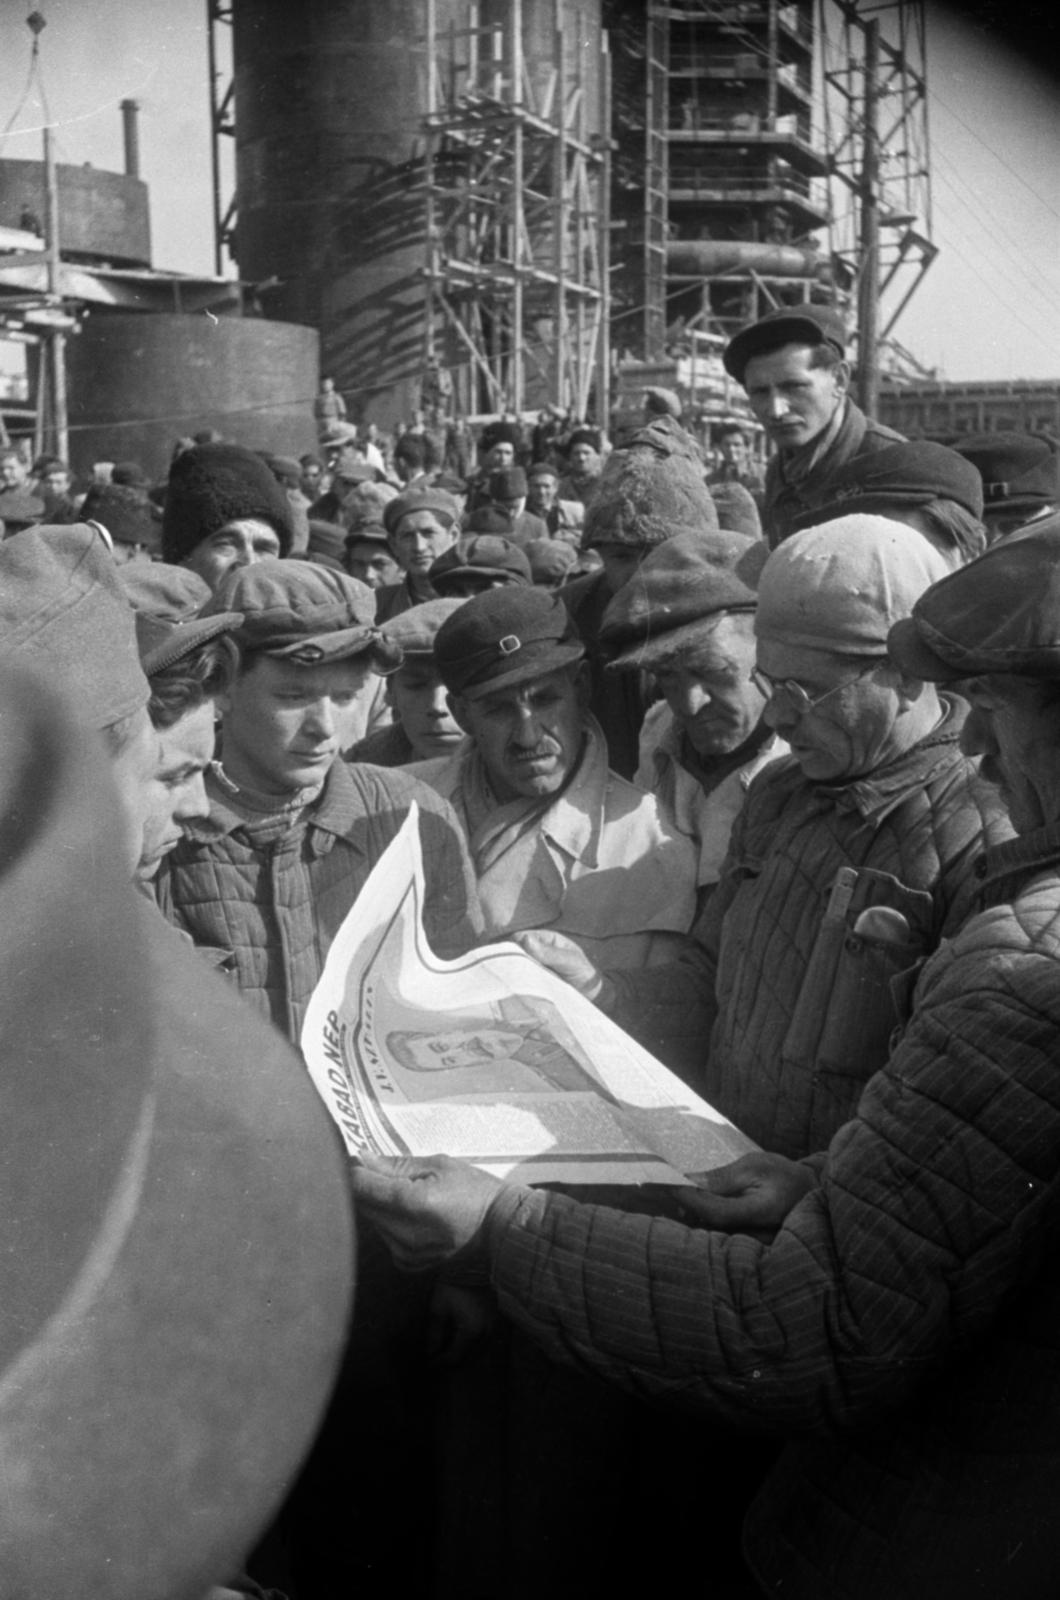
x=507 y=483
x=20 y=509
x=303 y=612
x=167 y=601
x=678 y=587
x=126 y=513
x=913 y=473
x=1000 y=613
x=482 y=556
x=790 y=325
x=504 y=637
x=1019 y=471
x=415 y=630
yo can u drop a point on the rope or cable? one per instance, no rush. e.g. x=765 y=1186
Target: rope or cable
x=1049 y=292
x=991 y=151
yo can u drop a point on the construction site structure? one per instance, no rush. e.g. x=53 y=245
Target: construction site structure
x=769 y=152
x=425 y=181
x=933 y=409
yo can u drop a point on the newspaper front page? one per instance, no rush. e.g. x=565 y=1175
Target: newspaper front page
x=490 y=1057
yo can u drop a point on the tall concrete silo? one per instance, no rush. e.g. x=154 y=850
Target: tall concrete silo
x=331 y=105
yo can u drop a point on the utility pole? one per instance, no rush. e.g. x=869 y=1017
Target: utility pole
x=869 y=286
x=56 y=336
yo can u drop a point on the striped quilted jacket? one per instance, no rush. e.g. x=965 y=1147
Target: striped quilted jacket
x=780 y=1012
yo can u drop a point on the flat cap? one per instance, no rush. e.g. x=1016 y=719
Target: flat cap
x=913 y=473
x=841 y=587
x=305 y=613
x=327 y=539
x=690 y=578
x=20 y=509
x=484 y=556
x=1019 y=471
x=167 y=601
x=662 y=402
x=543 y=469
x=507 y=483
x=550 y=560
x=126 y=512
x=1000 y=613
x=415 y=630
x=437 y=501
x=64 y=614
x=504 y=637
x=807 y=324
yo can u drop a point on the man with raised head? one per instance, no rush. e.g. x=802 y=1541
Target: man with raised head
x=223 y=509
x=687 y=618
x=793 y=366
x=293 y=830
x=557 y=840
x=899 y=1325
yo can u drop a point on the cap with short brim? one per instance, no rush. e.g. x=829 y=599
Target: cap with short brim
x=416 y=629
x=999 y=614
x=505 y=637
x=685 y=584
x=806 y=324
x=437 y=501
x=1019 y=471
x=298 y=611
x=168 y=601
x=913 y=473
x=484 y=556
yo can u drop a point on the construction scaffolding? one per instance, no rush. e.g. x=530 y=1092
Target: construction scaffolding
x=516 y=186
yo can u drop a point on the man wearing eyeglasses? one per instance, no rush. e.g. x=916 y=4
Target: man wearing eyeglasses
x=848 y=865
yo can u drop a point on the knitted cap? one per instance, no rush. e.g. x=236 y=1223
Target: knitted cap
x=504 y=637
x=63 y=612
x=1000 y=613
x=649 y=490
x=690 y=578
x=215 y=484
x=842 y=586
x=167 y=602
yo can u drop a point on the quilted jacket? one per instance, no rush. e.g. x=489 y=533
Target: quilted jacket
x=778 y=1013
x=278 y=906
x=785 y=500
x=905 y=1321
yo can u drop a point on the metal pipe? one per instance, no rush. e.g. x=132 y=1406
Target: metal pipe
x=130 y=113
x=56 y=337
x=695 y=258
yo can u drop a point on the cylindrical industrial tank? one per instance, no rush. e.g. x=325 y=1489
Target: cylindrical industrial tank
x=103 y=215
x=330 y=100
x=137 y=383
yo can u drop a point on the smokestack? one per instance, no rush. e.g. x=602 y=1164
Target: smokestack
x=129 y=116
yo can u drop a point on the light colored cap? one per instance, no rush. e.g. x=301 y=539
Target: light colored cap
x=841 y=586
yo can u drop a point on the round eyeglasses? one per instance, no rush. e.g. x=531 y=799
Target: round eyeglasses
x=794 y=693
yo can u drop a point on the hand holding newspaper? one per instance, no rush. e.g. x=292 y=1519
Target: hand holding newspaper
x=490 y=1058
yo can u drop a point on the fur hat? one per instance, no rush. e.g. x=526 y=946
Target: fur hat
x=651 y=489
x=215 y=484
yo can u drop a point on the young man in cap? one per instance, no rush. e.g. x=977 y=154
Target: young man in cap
x=782 y=1007
x=583 y=466
x=687 y=617
x=651 y=489
x=900 y=1321
x=368 y=556
x=737 y=464
x=293 y=830
x=793 y=366
x=562 y=518
x=929 y=488
x=423 y=728
x=223 y=509
x=1020 y=475
x=420 y=524
x=558 y=841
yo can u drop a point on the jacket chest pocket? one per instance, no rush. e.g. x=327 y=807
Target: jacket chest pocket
x=874 y=929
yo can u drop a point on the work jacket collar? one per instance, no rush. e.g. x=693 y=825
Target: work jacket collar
x=883 y=791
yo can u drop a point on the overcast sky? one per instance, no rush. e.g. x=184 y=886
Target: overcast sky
x=988 y=308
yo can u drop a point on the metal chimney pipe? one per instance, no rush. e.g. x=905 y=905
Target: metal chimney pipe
x=130 y=123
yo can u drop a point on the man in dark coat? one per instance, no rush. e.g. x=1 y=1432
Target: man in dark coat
x=793 y=365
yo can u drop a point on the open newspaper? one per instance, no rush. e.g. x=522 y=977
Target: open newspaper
x=489 y=1057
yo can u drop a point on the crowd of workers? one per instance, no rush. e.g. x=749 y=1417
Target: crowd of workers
x=768 y=768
